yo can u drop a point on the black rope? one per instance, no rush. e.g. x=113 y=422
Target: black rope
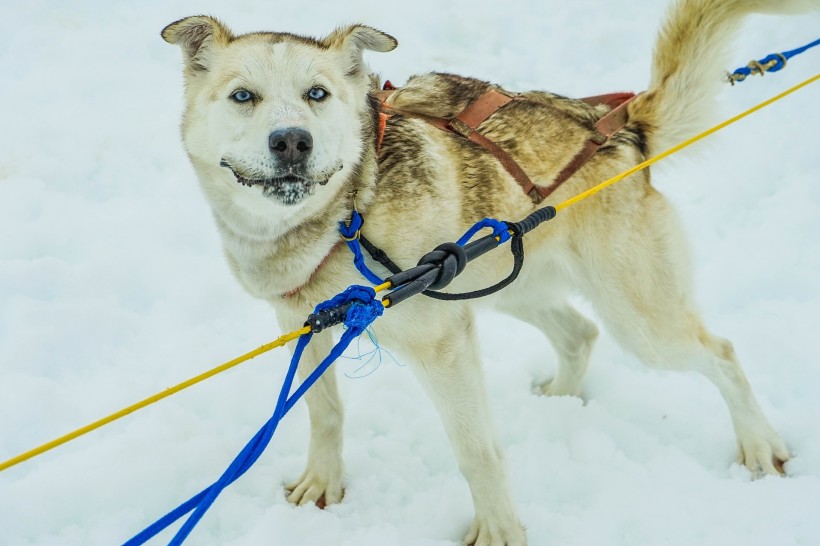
x=379 y=255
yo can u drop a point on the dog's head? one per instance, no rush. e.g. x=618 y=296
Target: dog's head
x=274 y=115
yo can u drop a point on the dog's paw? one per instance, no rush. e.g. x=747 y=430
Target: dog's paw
x=550 y=387
x=495 y=532
x=763 y=454
x=316 y=488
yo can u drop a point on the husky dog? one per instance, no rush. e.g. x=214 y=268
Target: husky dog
x=282 y=131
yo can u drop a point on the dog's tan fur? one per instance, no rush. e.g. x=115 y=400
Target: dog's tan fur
x=622 y=249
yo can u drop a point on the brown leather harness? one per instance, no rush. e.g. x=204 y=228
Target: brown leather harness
x=466 y=124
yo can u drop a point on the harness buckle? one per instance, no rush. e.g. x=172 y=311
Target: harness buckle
x=458 y=126
x=354 y=238
x=599 y=138
x=535 y=195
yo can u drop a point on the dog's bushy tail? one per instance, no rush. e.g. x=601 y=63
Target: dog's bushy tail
x=689 y=65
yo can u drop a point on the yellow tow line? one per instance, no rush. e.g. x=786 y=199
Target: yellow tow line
x=282 y=340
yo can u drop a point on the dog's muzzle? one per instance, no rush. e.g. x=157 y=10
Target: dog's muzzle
x=289 y=188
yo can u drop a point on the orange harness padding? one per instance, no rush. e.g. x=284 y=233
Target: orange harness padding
x=477 y=112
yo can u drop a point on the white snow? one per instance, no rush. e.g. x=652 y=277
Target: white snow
x=113 y=287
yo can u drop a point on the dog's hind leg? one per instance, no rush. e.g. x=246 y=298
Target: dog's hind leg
x=571 y=334
x=638 y=280
x=321 y=482
x=683 y=343
x=449 y=368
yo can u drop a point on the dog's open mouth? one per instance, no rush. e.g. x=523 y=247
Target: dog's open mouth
x=288 y=189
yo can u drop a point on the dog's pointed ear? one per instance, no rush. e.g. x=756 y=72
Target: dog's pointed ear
x=356 y=38
x=361 y=37
x=197 y=36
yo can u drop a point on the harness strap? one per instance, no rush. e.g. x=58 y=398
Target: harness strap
x=611 y=123
x=383 y=117
x=613 y=100
x=466 y=124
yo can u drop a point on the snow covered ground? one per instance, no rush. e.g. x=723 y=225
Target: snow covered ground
x=113 y=286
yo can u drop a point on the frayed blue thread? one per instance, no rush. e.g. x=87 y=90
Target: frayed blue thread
x=367 y=357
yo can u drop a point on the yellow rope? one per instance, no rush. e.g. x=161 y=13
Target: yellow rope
x=682 y=145
x=278 y=342
x=384 y=286
x=151 y=399
x=282 y=340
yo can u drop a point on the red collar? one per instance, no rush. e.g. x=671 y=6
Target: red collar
x=294 y=291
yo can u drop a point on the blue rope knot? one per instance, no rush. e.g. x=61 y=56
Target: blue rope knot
x=774 y=62
x=351 y=293
x=771 y=63
x=361 y=315
x=364 y=308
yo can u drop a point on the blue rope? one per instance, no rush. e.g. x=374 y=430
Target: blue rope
x=771 y=63
x=361 y=314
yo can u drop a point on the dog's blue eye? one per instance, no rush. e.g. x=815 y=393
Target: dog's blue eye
x=241 y=95
x=317 y=93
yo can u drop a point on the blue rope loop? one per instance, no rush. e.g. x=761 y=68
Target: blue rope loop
x=499 y=228
x=771 y=63
x=774 y=62
x=350 y=233
x=364 y=309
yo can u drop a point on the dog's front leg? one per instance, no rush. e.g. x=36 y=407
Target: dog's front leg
x=450 y=369
x=321 y=482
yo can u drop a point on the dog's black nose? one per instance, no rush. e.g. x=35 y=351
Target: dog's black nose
x=291 y=145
